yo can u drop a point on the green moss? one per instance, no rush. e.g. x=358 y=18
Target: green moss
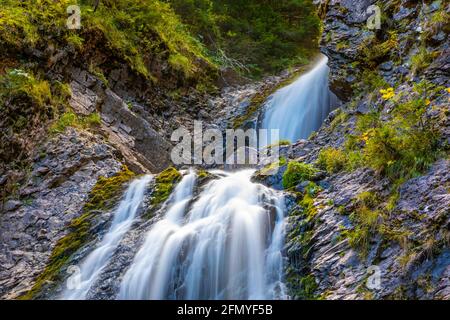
x=309 y=209
x=297 y=172
x=339 y=119
x=165 y=183
x=201 y=174
x=103 y=196
x=70 y=119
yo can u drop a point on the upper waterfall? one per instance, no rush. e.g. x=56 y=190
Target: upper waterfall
x=300 y=108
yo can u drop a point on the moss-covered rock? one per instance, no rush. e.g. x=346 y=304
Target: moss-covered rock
x=164 y=185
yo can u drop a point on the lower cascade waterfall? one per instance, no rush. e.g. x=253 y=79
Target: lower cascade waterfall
x=96 y=261
x=224 y=244
x=300 y=108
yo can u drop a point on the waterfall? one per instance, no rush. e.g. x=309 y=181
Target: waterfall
x=300 y=108
x=94 y=263
x=225 y=244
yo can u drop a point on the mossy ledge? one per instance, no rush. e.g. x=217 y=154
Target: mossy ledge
x=104 y=196
x=165 y=183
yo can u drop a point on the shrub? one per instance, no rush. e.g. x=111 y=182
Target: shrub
x=421 y=60
x=297 y=172
x=332 y=160
x=366 y=223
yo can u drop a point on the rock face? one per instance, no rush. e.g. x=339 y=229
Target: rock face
x=66 y=169
x=339 y=270
x=351 y=46
x=142 y=146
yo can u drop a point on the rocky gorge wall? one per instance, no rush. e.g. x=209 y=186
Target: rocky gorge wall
x=355 y=216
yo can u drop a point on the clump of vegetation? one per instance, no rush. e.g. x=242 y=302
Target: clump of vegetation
x=26 y=102
x=406 y=144
x=280 y=143
x=401 y=146
x=304 y=287
x=297 y=172
x=104 y=196
x=307 y=204
x=439 y=22
x=374 y=50
x=332 y=160
x=366 y=219
x=340 y=118
x=165 y=183
x=421 y=60
x=70 y=119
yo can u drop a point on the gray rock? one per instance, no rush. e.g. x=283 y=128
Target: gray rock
x=11 y=205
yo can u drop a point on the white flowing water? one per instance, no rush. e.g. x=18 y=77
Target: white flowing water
x=300 y=108
x=225 y=244
x=94 y=263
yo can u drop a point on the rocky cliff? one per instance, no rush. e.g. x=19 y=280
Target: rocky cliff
x=378 y=206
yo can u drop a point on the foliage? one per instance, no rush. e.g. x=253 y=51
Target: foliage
x=134 y=31
x=26 y=101
x=366 y=219
x=70 y=119
x=262 y=36
x=308 y=286
x=373 y=50
x=332 y=160
x=297 y=172
x=421 y=60
x=403 y=145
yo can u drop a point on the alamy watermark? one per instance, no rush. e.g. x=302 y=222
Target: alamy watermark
x=374 y=278
x=74 y=19
x=232 y=147
x=374 y=19
x=74 y=280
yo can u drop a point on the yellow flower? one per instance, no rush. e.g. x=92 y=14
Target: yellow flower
x=448 y=90
x=367 y=135
x=388 y=93
x=427 y=102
